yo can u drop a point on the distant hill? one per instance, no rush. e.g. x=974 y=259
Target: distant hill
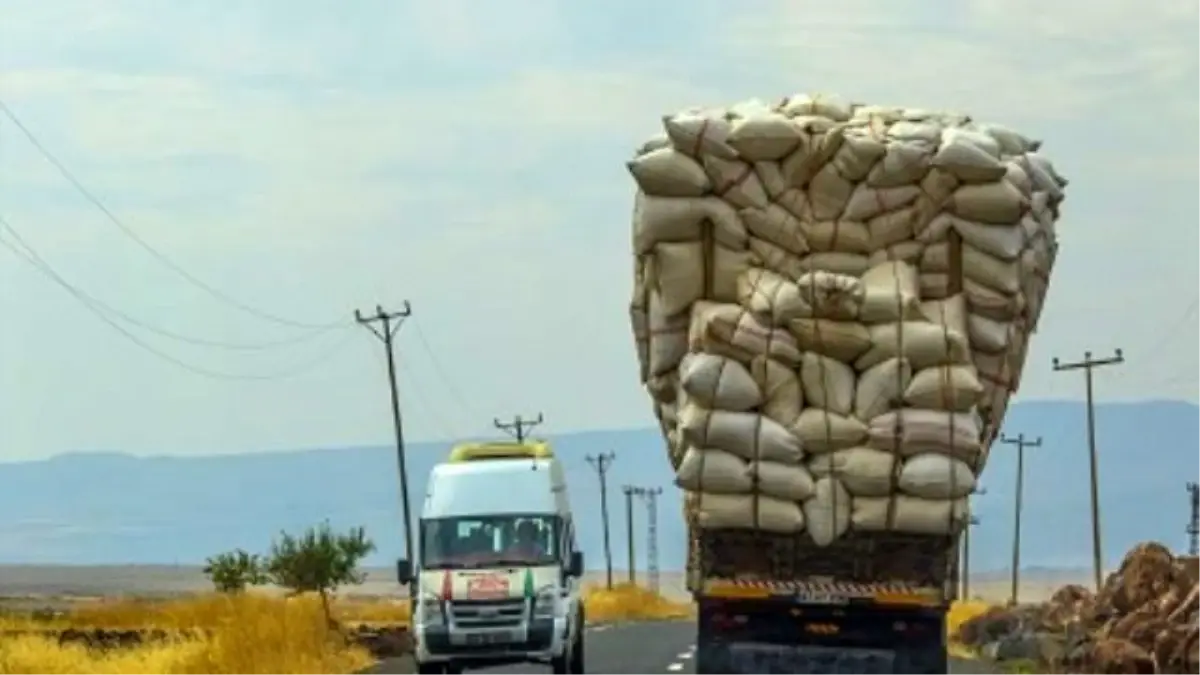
x=97 y=508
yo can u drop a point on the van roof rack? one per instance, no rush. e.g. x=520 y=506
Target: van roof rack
x=473 y=452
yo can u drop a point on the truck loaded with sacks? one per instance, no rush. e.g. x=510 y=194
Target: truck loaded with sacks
x=832 y=307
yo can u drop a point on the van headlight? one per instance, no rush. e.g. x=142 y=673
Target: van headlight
x=545 y=603
x=431 y=609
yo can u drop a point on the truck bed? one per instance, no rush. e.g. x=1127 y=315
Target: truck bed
x=857 y=564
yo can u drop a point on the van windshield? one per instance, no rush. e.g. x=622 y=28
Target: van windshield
x=489 y=541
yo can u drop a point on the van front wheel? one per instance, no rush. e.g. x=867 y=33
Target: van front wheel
x=571 y=660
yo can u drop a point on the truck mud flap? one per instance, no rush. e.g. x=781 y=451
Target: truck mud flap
x=751 y=657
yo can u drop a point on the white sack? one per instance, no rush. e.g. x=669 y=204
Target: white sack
x=944 y=388
x=736 y=182
x=894 y=228
x=775 y=258
x=720 y=383
x=769 y=136
x=713 y=471
x=827 y=513
x=841 y=236
x=865 y=472
x=782 y=481
x=973 y=157
x=990 y=302
x=999 y=202
x=666 y=172
x=769 y=294
x=827 y=383
x=881 y=387
x=933 y=476
x=678 y=274
x=890 y=293
x=777 y=226
x=904 y=163
x=911 y=515
x=727 y=267
x=668 y=337
x=698 y=132
x=867 y=202
x=747 y=435
x=820 y=105
x=781 y=390
x=671 y=219
x=1001 y=275
x=823 y=431
x=831 y=295
x=922 y=344
x=732 y=331
x=911 y=431
x=844 y=341
x=725 y=512
x=989 y=335
x=950 y=312
x=836 y=262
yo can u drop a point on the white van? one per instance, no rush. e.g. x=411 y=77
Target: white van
x=498 y=574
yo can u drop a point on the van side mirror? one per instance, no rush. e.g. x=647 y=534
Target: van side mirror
x=404 y=572
x=575 y=567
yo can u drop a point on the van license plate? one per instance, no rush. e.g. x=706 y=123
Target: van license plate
x=490 y=638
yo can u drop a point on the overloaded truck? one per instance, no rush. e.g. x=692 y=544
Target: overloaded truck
x=832 y=305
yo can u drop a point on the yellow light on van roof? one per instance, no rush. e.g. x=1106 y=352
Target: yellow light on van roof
x=471 y=452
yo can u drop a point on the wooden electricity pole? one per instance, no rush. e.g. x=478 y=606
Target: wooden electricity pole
x=1021 y=444
x=630 y=491
x=389 y=325
x=518 y=427
x=1088 y=364
x=601 y=463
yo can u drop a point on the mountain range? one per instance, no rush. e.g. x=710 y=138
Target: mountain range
x=113 y=508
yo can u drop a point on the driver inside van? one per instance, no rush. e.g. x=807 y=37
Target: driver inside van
x=525 y=544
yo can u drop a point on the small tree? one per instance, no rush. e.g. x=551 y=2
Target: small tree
x=233 y=571
x=319 y=561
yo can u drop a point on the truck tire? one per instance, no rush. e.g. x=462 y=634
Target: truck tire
x=577 y=660
x=571 y=660
x=430 y=667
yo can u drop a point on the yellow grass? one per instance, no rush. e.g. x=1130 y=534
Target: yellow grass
x=248 y=634
x=960 y=613
x=627 y=602
x=251 y=633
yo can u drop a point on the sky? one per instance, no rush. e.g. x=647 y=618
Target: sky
x=308 y=158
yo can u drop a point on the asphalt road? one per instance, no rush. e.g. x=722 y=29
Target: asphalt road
x=658 y=647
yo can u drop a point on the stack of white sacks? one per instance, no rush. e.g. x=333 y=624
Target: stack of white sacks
x=813 y=363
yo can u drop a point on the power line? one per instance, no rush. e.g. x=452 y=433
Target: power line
x=1088 y=364
x=31 y=256
x=441 y=372
x=295 y=370
x=158 y=255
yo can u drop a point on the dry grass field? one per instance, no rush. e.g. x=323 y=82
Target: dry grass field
x=264 y=632
x=250 y=633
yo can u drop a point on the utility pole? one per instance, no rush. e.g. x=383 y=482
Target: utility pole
x=1193 y=528
x=650 y=496
x=629 y=491
x=1021 y=444
x=1088 y=364
x=517 y=427
x=390 y=323
x=601 y=463
x=965 y=567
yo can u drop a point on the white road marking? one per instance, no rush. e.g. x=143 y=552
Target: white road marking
x=685 y=655
x=675 y=667
x=600 y=628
